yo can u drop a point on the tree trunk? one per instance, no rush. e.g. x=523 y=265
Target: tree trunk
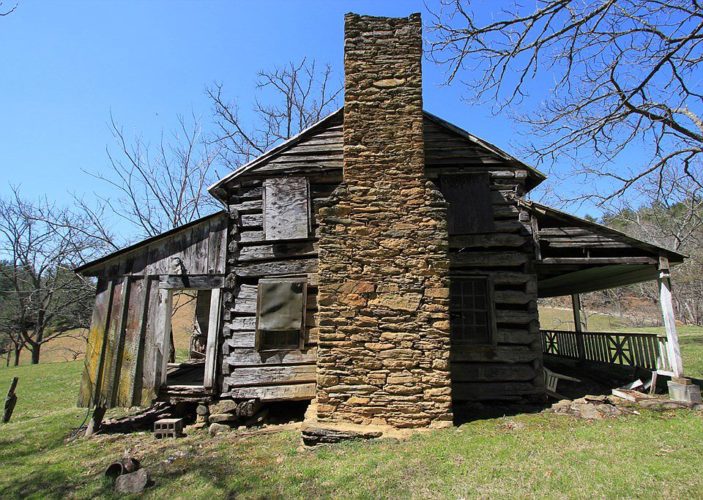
x=17 y=355
x=36 y=349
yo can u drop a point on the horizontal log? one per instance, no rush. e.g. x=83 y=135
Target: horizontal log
x=250 y=357
x=261 y=269
x=522 y=336
x=486 y=391
x=491 y=372
x=515 y=317
x=193 y=282
x=242 y=323
x=295 y=392
x=599 y=260
x=499 y=277
x=499 y=354
x=271 y=375
x=245 y=299
x=273 y=251
x=487 y=240
x=512 y=297
x=246 y=339
x=488 y=259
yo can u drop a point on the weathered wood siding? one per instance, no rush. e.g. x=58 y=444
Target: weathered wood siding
x=124 y=357
x=510 y=369
x=286 y=375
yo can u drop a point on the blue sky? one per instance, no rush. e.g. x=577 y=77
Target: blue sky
x=66 y=65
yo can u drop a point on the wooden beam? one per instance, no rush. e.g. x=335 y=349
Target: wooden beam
x=213 y=331
x=193 y=282
x=578 y=324
x=162 y=337
x=667 y=308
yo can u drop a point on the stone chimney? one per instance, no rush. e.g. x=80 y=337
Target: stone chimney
x=383 y=355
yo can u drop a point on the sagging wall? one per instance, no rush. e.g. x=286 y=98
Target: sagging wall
x=383 y=354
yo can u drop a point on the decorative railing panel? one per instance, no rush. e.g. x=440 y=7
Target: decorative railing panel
x=641 y=350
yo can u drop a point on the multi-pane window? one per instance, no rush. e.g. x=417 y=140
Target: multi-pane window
x=470 y=310
x=280 y=321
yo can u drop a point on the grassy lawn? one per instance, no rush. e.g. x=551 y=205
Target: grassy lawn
x=652 y=454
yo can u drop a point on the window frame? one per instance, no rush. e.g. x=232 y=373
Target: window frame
x=491 y=324
x=258 y=342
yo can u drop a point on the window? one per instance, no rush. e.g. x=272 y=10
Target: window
x=471 y=310
x=280 y=320
x=286 y=208
x=470 y=205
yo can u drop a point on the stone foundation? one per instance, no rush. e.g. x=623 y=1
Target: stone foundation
x=383 y=355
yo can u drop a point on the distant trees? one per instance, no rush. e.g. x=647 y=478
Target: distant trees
x=624 y=77
x=674 y=221
x=41 y=298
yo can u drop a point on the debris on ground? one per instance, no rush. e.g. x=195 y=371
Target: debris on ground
x=134 y=482
x=622 y=402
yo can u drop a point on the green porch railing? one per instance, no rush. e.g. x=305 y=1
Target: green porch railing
x=641 y=350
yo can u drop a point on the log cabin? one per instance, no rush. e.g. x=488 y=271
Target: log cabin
x=384 y=263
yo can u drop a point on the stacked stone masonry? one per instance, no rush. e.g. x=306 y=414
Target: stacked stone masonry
x=383 y=355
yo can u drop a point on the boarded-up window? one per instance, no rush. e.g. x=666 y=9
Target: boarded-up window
x=286 y=208
x=470 y=209
x=281 y=313
x=470 y=310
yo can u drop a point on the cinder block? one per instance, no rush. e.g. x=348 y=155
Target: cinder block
x=168 y=427
x=690 y=393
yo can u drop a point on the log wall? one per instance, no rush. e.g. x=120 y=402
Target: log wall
x=508 y=370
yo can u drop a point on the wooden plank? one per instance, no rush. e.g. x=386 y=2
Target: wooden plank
x=512 y=354
x=242 y=323
x=295 y=392
x=488 y=259
x=286 y=208
x=277 y=251
x=492 y=372
x=476 y=391
x=137 y=367
x=270 y=375
x=279 y=268
x=94 y=357
x=162 y=334
x=251 y=357
x=213 y=334
x=487 y=240
x=118 y=349
x=193 y=282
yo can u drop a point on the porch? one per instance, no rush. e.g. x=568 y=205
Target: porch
x=576 y=256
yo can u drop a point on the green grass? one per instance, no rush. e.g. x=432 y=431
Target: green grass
x=653 y=454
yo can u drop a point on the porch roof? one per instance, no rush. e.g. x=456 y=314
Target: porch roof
x=578 y=256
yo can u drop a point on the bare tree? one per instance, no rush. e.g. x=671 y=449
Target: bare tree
x=4 y=13
x=624 y=74
x=40 y=245
x=290 y=99
x=161 y=187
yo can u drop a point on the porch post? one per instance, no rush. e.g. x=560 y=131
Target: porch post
x=667 y=308
x=578 y=325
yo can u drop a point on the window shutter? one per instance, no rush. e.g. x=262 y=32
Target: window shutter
x=470 y=206
x=286 y=208
x=281 y=313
